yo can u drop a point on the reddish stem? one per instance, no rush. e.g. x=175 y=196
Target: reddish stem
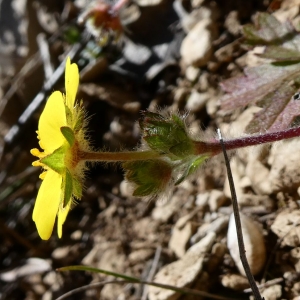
x=215 y=147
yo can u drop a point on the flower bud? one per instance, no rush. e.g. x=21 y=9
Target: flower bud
x=167 y=135
x=150 y=177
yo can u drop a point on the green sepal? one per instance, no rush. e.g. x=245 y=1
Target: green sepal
x=191 y=167
x=68 y=115
x=79 y=121
x=150 y=177
x=68 y=134
x=56 y=160
x=183 y=149
x=167 y=135
x=77 y=188
x=68 y=187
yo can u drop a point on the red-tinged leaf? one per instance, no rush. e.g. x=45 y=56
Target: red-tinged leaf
x=276 y=113
x=287 y=117
x=257 y=83
x=270 y=86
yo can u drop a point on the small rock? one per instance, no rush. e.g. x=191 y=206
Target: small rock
x=288 y=11
x=196 y=101
x=295 y=257
x=126 y=189
x=165 y=209
x=196 y=48
x=235 y=282
x=284 y=162
x=254 y=244
x=132 y=107
x=258 y=173
x=180 y=237
x=202 y=199
x=285 y=228
x=141 y=255
x=216 y=200
x=47 y=296
x=53 y=280
x=33 y=265
x=76 y=235
x=273 y=292
x=61 y=252
x=184 y=272
x=232 y=23
x=36 y=283
x=192 y=73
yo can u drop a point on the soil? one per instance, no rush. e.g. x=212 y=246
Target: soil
x=170 y=56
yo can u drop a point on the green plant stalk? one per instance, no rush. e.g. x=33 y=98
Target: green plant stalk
x=119 y=156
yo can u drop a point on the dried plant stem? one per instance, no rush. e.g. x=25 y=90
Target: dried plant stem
x=239 y=231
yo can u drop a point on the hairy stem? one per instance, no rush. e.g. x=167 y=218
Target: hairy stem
x=215 y=148
x=118 y=156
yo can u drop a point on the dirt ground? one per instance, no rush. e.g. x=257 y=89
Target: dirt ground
x=172 y=55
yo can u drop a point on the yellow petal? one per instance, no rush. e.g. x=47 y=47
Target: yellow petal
x=62 y=215
x=47 y=203
x=71 y=83
x=52 y=119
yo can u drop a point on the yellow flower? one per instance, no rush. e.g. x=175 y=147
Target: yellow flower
x=61 y=136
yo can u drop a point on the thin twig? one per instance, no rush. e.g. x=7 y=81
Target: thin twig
x=266 y=284
x=238 y=225
x=45 y=55
x=152 y=271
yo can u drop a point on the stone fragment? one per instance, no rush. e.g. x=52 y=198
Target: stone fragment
x=254 y=244
x=196 y=101
x=202 y=199
x=181 y=235
x=216 y=199
x=235 y=282
x=273 y=292
x=141 y=255
x=284 y=161
x=285 y=227
x=165 y=209
x=196 y=48
x=32 y=265
x=183 y=272
x=192 y=73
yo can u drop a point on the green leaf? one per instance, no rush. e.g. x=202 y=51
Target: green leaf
x=191 y=167
x=56 y=160
x=68 y=134
x=67 y=187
